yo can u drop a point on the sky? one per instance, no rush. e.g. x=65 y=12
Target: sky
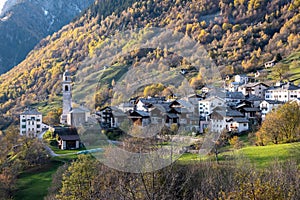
x=2 y=2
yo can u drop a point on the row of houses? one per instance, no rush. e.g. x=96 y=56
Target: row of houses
x=152 y=110
x=231 y=110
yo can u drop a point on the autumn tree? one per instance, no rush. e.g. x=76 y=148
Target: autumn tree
x=53 y=116
x=236 y=142
x=154 y=89
x=281 y=125
x=77 y=180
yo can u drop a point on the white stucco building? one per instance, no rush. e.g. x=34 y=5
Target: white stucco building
x=267 y=106
x=224 y=118
x=31 y=122
x=241 y=78
x=283 y=92
x=206 y=106
x=257 y=89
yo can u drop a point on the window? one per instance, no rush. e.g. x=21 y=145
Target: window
x=245 y=124
x=23 y=120
x=38 y=126
x=66 y=88
x=23 y=126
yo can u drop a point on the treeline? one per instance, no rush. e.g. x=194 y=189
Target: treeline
x=86 y=178
x=240 y=35
x=18 y=154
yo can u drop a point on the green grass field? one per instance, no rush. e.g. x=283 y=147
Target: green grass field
x=260 y=156
x=263 y=156
x=34 y=185
x=294 y=62
x=59 y=151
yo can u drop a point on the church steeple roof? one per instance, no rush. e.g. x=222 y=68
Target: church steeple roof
x=67 y=73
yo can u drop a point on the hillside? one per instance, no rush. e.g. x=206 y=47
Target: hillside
x=24 y=23
x=238 y=35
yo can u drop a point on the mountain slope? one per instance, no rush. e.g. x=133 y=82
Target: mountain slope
x=238 y=36
x=24 y=23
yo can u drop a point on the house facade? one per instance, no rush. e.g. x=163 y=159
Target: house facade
x=140 y=118
x=267 y=106
x=283 y=92
x=111 y=117
x=270 y=64
x=206 y=106
x=31 y=122
x=241 y=78
x=67 y=138
x=234 y=98
x=223 y=118
x=257 y=89
x=78 y=116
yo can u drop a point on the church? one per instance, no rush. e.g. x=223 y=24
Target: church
x=72 y=116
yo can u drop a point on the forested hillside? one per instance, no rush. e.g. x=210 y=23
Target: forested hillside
x=239 y=35
x=24 y=23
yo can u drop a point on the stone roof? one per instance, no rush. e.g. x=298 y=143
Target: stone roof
x=250 y=109
x=66 y=133
x=254 y=84
x=240 y=120
x=213 y=97
x=69 y=137
x=235 y=95
x=141 y=113
x=152 y=100
x=228 y=112
x=254 y=98
x=172 y=115
x=31 y=111
x=286 y=86
x=185 y=104
x=163 y=107
x=79 y=110
x=274 y=102
x=117 y=112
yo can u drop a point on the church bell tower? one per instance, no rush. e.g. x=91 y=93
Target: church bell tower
x=67 y=98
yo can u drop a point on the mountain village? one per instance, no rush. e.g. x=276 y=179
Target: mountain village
x=242 y=104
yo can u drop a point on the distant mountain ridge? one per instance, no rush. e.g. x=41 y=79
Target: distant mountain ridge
x=25 y=22
x=7 y=5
